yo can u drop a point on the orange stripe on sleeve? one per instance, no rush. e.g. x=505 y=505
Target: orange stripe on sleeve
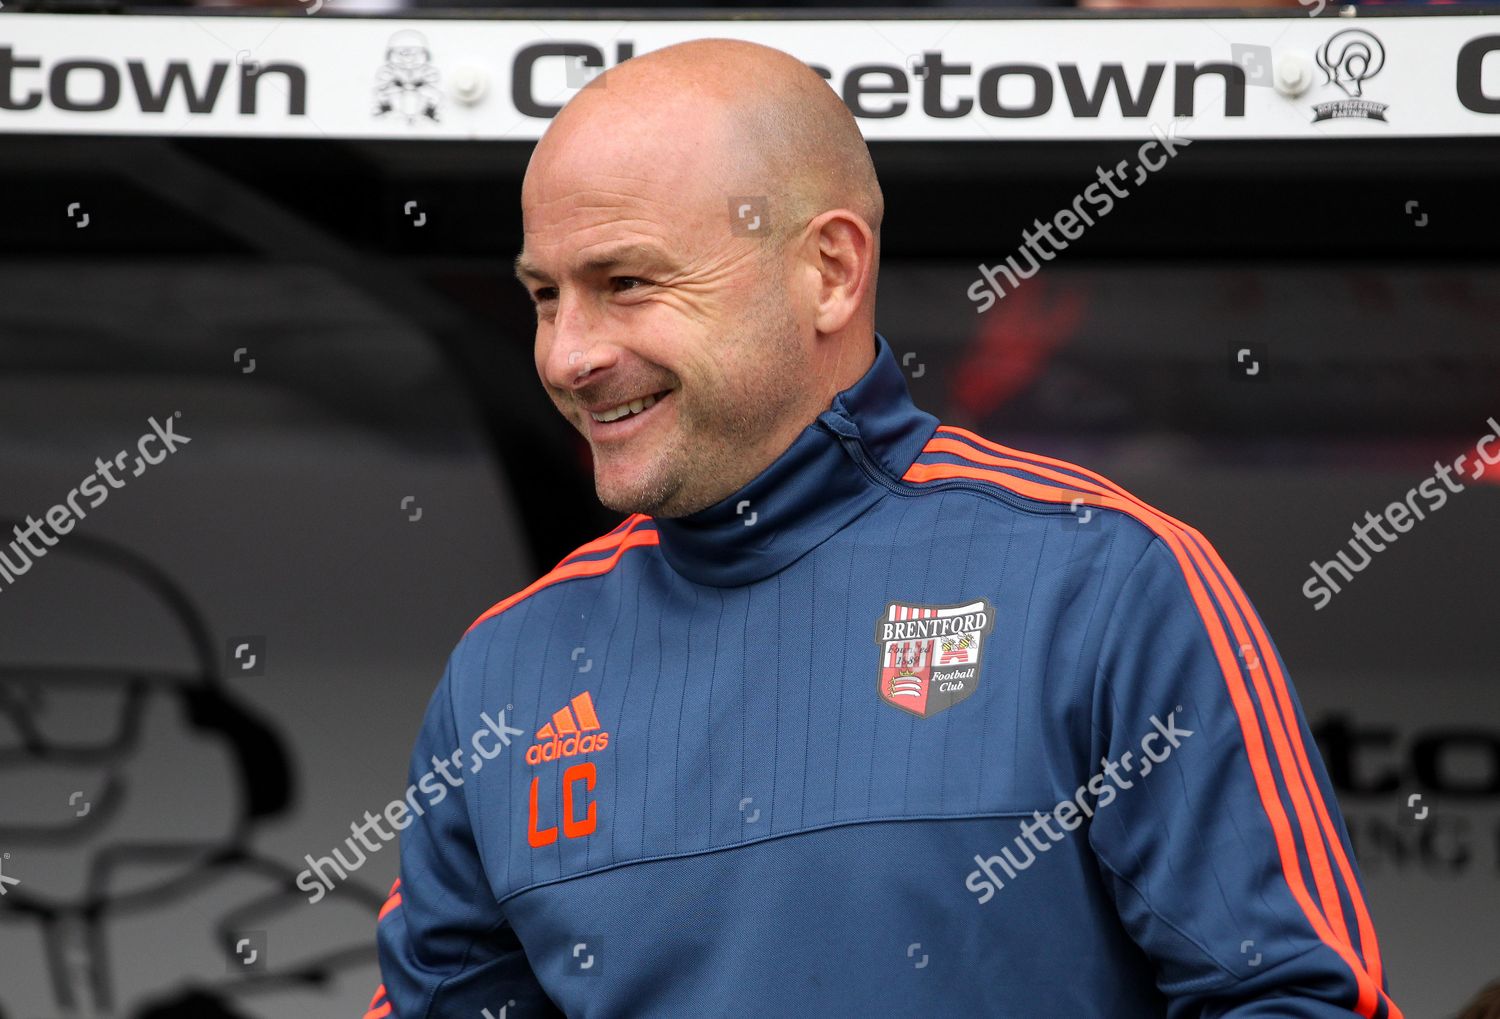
x=1290 y=768
x=390 y=904
x=378 y=1011
x=602 y=542
x=1245 y=708
x=393 y=899
x=1265 y=654
x=1368 y=943
x=587 y=568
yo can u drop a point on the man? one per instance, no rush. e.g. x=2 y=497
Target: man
x=854 y=713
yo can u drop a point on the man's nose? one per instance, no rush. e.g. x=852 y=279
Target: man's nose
x=579 y=348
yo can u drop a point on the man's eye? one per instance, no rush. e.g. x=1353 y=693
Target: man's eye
x=621 y=281
x=542 y=294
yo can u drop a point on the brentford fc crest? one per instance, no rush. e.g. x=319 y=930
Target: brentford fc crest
x=929 y=654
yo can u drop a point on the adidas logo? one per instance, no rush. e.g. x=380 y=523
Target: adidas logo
x=573 y=730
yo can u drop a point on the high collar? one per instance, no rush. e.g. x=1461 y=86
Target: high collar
x=818 y=484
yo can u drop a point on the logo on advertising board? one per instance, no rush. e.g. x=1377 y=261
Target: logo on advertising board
x=406 y=85
x=930 y=654
x=1349 y=59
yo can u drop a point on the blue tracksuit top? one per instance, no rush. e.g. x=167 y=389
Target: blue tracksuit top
x=913 y=724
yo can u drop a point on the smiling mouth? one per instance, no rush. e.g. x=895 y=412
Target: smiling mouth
x=630 y=409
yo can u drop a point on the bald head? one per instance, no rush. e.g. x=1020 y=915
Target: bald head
x=721 y=330
x=776 y=128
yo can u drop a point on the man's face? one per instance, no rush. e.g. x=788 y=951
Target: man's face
x=647 y=299
x=408 y=56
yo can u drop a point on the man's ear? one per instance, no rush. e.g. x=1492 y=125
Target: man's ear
x=840 y=249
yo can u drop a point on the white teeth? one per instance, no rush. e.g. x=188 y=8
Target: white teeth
x=624 y=409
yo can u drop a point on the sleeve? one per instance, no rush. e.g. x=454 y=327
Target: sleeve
x=1215 y=827
x=445 y=947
